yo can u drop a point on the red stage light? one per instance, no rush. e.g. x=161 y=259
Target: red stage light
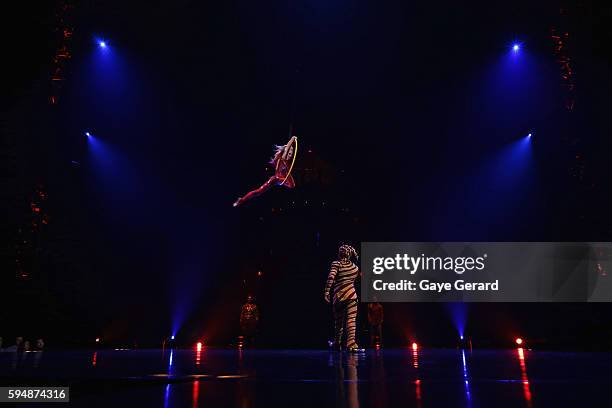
x=415 y=346
x=518 y=341
x=198 y=355
x=97 y=339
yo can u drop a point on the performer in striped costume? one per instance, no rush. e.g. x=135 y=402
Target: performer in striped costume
x=340 y=290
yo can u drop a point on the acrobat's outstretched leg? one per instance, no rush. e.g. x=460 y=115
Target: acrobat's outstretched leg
x=251 y=194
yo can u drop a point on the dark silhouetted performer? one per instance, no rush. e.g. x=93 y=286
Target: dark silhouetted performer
x=249 y=317
x=283 y=161
x=340 y=290
x=375 y=320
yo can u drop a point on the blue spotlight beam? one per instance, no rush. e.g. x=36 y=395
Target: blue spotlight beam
x=458 y=312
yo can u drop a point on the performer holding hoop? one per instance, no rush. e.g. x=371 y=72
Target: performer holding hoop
x=283 y=160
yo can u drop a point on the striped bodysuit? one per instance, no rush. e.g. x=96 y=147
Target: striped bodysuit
x=341 y=283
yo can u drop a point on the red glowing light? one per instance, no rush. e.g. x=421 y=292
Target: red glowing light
x=195 y=393
x=415 y=346
x=198 y=353
x=519 y=341
x=418 y=389
x=97 y=339
x=524 y=377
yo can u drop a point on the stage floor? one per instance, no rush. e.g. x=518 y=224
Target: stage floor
x=316 y=378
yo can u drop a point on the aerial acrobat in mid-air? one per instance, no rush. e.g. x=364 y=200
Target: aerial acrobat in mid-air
x=283 y=161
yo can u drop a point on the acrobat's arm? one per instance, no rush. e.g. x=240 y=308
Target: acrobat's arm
x=288 y=147
x=330 y=280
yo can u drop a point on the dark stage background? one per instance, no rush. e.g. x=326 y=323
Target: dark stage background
x=411 y=119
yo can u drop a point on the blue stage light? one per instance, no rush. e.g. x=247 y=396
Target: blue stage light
x=529 y=135
x=172 y=337
x=516 y=47
x=102 y=44
x=87 y=134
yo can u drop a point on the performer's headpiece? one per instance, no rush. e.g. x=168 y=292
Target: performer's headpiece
x=347 y=252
